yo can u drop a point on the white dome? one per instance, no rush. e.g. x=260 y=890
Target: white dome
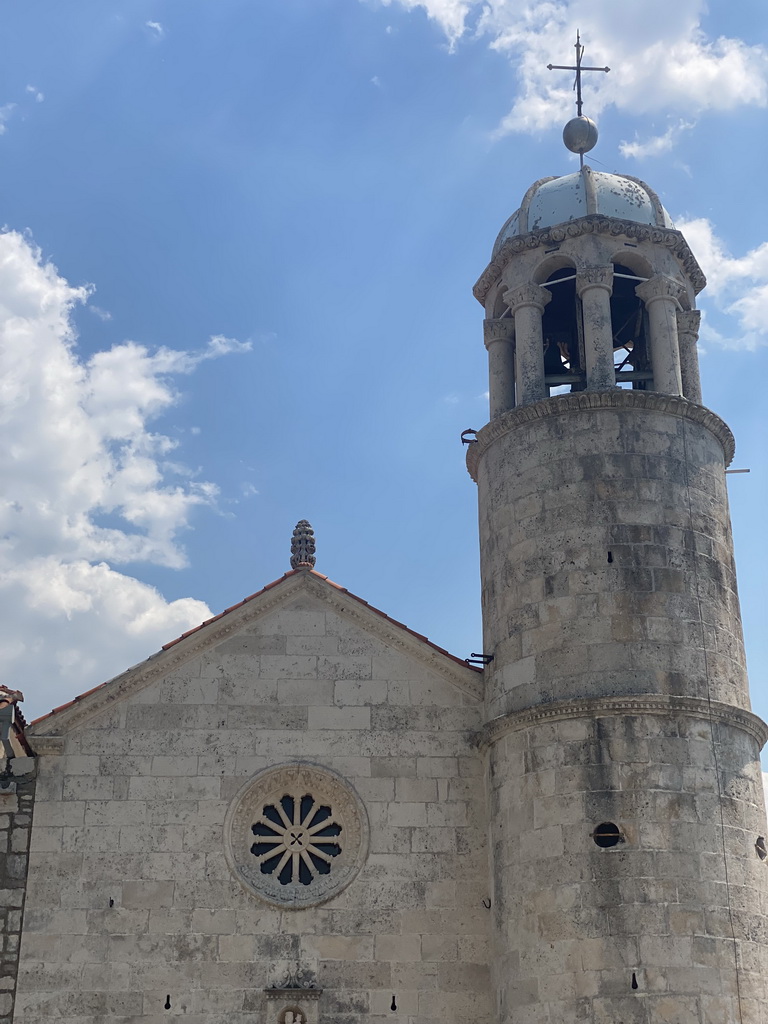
x=557 y=200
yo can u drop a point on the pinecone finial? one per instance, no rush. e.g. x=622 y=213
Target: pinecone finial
x=303 y=546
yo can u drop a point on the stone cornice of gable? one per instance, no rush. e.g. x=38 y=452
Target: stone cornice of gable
x=594 y=223
x=641 y=704
x=202 y=638
x=619 y=398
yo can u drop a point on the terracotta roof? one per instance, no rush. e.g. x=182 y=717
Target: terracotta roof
x=252 y=597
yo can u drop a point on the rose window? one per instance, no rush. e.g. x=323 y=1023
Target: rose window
x=296 y=835
x=296 y=839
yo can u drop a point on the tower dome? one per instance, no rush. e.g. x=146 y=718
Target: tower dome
x=557 y=200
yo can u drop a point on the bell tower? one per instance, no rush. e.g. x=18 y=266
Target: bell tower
x=627 y=818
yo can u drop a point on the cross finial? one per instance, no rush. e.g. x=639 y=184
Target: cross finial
x=578 y=68
x=580 y=134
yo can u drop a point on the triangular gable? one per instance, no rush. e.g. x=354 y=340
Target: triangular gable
x=208 y=634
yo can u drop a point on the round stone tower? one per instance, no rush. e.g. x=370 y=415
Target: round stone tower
x=627 y=819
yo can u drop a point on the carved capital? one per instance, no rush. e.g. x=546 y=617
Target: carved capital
x=527 y=295
x=660 y=287
x=498 y=330
x=594 y=277
x=688 y=322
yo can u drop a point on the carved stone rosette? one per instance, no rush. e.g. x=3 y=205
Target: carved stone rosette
x=296 y=835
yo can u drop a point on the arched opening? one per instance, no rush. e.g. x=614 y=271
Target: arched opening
x=498 y=306
x=561 y=325
x=629 y=325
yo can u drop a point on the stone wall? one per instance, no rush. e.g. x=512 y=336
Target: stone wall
x=618 y=697
x=17 y=792
x=606 y=552
x=653 y=928
x=133 y=910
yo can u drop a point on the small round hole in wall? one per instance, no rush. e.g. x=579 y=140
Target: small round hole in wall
x=607 y=834
x=762 y=850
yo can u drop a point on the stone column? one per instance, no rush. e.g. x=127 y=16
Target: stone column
x=527 y=303
x=500 y=342
x=661 y=295
x=688 y=321
x=594 y=286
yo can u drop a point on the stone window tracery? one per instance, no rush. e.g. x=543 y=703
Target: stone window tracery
x=296 y=835
x=297 y=839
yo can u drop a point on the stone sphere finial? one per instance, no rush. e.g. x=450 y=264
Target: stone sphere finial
x=580 y=135
x=303 y=546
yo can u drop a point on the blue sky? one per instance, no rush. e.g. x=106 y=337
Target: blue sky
x=235 y=290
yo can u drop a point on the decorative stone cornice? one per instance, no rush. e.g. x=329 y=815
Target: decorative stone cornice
x=135 y=679
x=562 y=405
x=527 y=295
x=52 y=745
x=653 y=704
x=293 y=994
x=688 y=323
x=591 y=224
x=660 y=286
x=498 y=330
x=594 y=277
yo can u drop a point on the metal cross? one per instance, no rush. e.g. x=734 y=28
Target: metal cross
x=578 y=69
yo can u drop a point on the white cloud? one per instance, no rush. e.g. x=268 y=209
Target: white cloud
x=661 y=59
x=657 y=144
x=5 y=115
x=87 y=485
x=34 y=91
x=451 y=15
x=155 y=28
x=736 y=285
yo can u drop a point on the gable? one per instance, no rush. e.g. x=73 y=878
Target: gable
x=299 y=629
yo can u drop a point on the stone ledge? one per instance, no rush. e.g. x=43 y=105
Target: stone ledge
x=294 y=994
x=559 y=405
x=655 y=704
x=594 y=223
x=48 y=744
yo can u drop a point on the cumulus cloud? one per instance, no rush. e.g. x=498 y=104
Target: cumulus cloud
x=155 y=28
x=87 y=486
x=736 y=285
x=661 y=59
x=35 y=92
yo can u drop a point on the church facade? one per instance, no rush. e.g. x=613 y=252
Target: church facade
x=303 y=812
